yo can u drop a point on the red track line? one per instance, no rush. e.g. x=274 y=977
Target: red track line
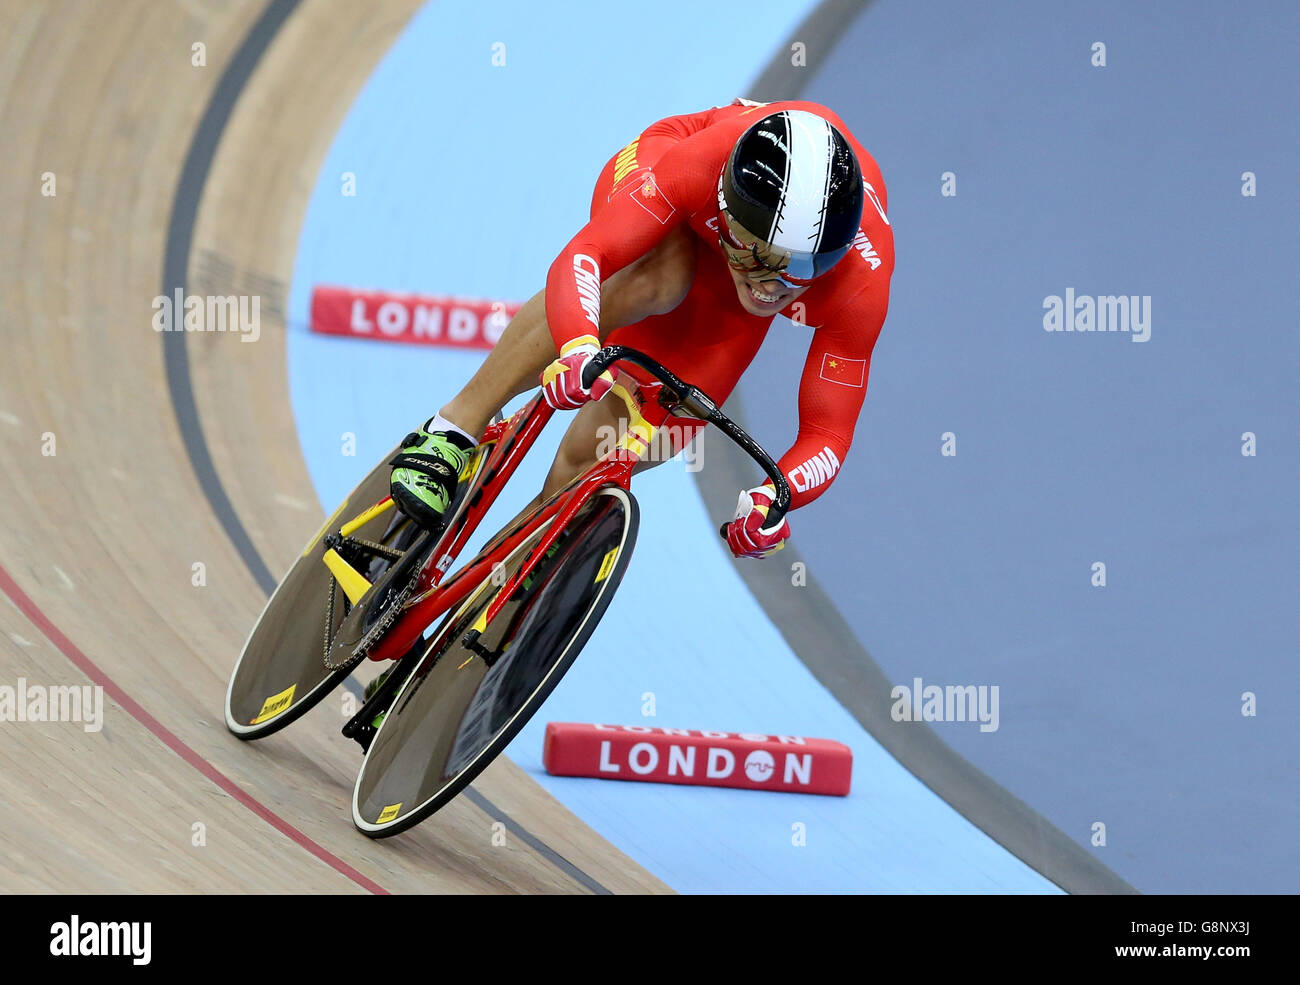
x=70 y=650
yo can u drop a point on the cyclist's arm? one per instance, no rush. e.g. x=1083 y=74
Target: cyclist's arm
x=831 y=392
x=641 y=214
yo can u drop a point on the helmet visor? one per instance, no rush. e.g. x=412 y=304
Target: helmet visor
x=749 y=255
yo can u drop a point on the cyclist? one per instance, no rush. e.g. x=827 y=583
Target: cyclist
x=701 y=230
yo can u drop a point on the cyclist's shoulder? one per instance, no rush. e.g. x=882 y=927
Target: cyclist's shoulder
x=713 y=130
x=691 y=165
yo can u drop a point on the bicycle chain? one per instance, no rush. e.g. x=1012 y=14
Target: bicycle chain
x=391 y=610
x=386 y=619
x=387 y=553
x=329 y=624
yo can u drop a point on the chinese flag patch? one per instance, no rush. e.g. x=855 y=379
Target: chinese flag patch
x=846 y=372
x=647 y=194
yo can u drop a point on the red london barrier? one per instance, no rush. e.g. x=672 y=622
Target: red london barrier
x=786 y=763
x=459 y=323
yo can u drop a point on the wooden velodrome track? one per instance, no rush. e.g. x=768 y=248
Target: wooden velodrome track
x=98 y=540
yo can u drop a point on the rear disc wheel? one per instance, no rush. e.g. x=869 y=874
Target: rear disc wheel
x=281 y=672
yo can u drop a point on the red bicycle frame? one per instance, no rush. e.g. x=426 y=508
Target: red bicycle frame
x=509 y=441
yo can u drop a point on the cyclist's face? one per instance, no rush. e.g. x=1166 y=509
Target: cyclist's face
x=755 y=269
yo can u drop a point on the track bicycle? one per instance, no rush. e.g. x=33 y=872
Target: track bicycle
x=371 y=583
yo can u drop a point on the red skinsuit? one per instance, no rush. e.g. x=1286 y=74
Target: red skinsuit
x=669 y=175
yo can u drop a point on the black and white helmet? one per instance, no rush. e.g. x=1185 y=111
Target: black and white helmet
x=794 y=181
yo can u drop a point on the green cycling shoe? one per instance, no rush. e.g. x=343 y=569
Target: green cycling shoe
x=426 y=473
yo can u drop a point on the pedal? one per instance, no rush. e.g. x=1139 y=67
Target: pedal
x=364 y=735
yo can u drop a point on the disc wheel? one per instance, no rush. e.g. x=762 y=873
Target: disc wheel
x=458 y=710
x=282 y=671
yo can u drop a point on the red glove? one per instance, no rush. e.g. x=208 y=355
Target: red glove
x=562 y=379
x=746 y=535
